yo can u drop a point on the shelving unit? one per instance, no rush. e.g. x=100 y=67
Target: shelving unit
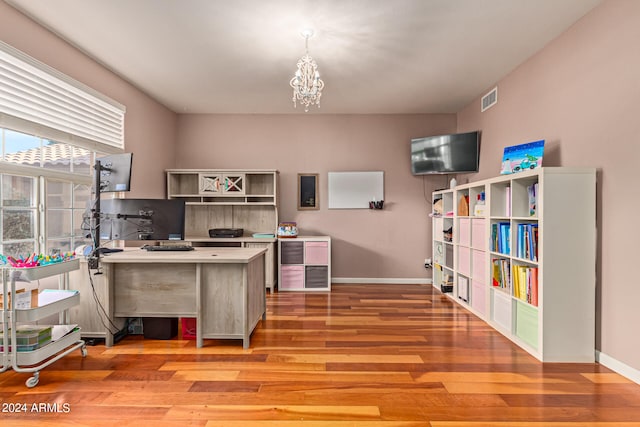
x=65 y=337
x=229 y=198
x=527 y=265
x=442 y=245
x=304 y=263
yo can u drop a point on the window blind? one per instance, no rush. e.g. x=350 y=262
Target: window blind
x=37 y=99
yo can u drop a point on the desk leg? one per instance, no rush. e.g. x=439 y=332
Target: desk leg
x=199 y=339
x=108 y=270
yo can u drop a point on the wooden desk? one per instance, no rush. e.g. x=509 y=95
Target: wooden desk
x=223 y=288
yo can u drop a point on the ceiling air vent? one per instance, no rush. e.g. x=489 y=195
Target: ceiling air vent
x=490 y=99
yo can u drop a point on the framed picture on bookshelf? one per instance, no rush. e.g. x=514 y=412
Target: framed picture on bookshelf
x=517 y=158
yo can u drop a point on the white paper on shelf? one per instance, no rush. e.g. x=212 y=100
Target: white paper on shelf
x=48 y=296
x=60 y=331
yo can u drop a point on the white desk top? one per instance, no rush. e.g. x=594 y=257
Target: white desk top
x=198 y=255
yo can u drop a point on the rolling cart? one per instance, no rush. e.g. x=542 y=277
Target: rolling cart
x=46 y=344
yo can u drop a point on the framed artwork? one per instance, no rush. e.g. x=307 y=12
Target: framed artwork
x=308 y=191
x=521 y=157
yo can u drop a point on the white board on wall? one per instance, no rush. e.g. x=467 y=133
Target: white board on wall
x=354 y=190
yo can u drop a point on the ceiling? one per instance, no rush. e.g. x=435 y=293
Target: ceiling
x=375 y=56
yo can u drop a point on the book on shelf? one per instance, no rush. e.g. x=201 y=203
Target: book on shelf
x=525 y=284
x=501 y=237
x=500 y=273
x=527 y=241
x=532 y=192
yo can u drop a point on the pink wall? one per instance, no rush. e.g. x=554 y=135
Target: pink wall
x=391 y=243
x=581 y=94
x=150 y=128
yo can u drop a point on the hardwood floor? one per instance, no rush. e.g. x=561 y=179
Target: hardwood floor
x=360 y=356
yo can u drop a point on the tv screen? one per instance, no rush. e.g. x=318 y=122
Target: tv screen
x=142 y=219
x=115 y=172
x=442 y=154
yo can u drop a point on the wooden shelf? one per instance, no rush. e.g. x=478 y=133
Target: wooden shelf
x=561 y=326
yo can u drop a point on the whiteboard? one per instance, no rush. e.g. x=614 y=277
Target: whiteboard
x=354 y=190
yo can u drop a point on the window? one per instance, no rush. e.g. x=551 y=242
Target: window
x=52 y=127
x=19 y=215
x=66 y=206
x=45 y=191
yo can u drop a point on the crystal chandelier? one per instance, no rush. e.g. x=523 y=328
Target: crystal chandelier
x=306 y=83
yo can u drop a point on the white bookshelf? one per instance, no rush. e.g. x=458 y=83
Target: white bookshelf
x=561 y=326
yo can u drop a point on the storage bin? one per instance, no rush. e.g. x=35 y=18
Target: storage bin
x=464 y=261
x=478 y=266
x=527 y=323
x=316 y=276
x=29 y=337
x=316 y=253
x=188 y=328
x=464 y=234
x=502 y=308
x=292 y=277
x=478 y=233
x=478 y=297
x=160 y=328
x=292 y=253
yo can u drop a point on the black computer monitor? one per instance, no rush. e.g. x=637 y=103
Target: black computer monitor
x=142 y=219
x=115 y=172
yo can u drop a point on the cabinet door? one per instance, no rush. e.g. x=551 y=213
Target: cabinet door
x=210 y=184
x=233 y=183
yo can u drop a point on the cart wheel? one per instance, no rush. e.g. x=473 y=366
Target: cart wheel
x=33 y=381
x=83 y=351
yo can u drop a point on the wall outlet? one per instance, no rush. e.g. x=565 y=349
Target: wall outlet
x=427 y=263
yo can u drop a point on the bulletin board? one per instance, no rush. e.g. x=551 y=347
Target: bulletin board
x=354 y=190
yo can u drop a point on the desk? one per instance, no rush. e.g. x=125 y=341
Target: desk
x=223 y=288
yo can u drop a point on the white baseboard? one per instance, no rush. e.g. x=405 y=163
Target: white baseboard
x=381 y=281
x=615 y=365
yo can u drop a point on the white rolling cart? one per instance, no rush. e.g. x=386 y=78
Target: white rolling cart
x=65 y=338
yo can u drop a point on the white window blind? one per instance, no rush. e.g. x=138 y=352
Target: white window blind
x=37 y=99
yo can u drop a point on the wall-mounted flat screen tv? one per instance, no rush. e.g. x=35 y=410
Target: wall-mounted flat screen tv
x=442 y=154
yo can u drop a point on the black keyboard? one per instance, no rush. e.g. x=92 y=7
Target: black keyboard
x=168 y=248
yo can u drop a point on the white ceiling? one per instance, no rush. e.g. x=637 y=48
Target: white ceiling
x=375 y=56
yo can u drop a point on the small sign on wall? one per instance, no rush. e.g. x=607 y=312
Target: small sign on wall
x=354 y=190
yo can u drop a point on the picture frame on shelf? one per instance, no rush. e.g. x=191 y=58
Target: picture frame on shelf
x=517 y=158
x=308 y=191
